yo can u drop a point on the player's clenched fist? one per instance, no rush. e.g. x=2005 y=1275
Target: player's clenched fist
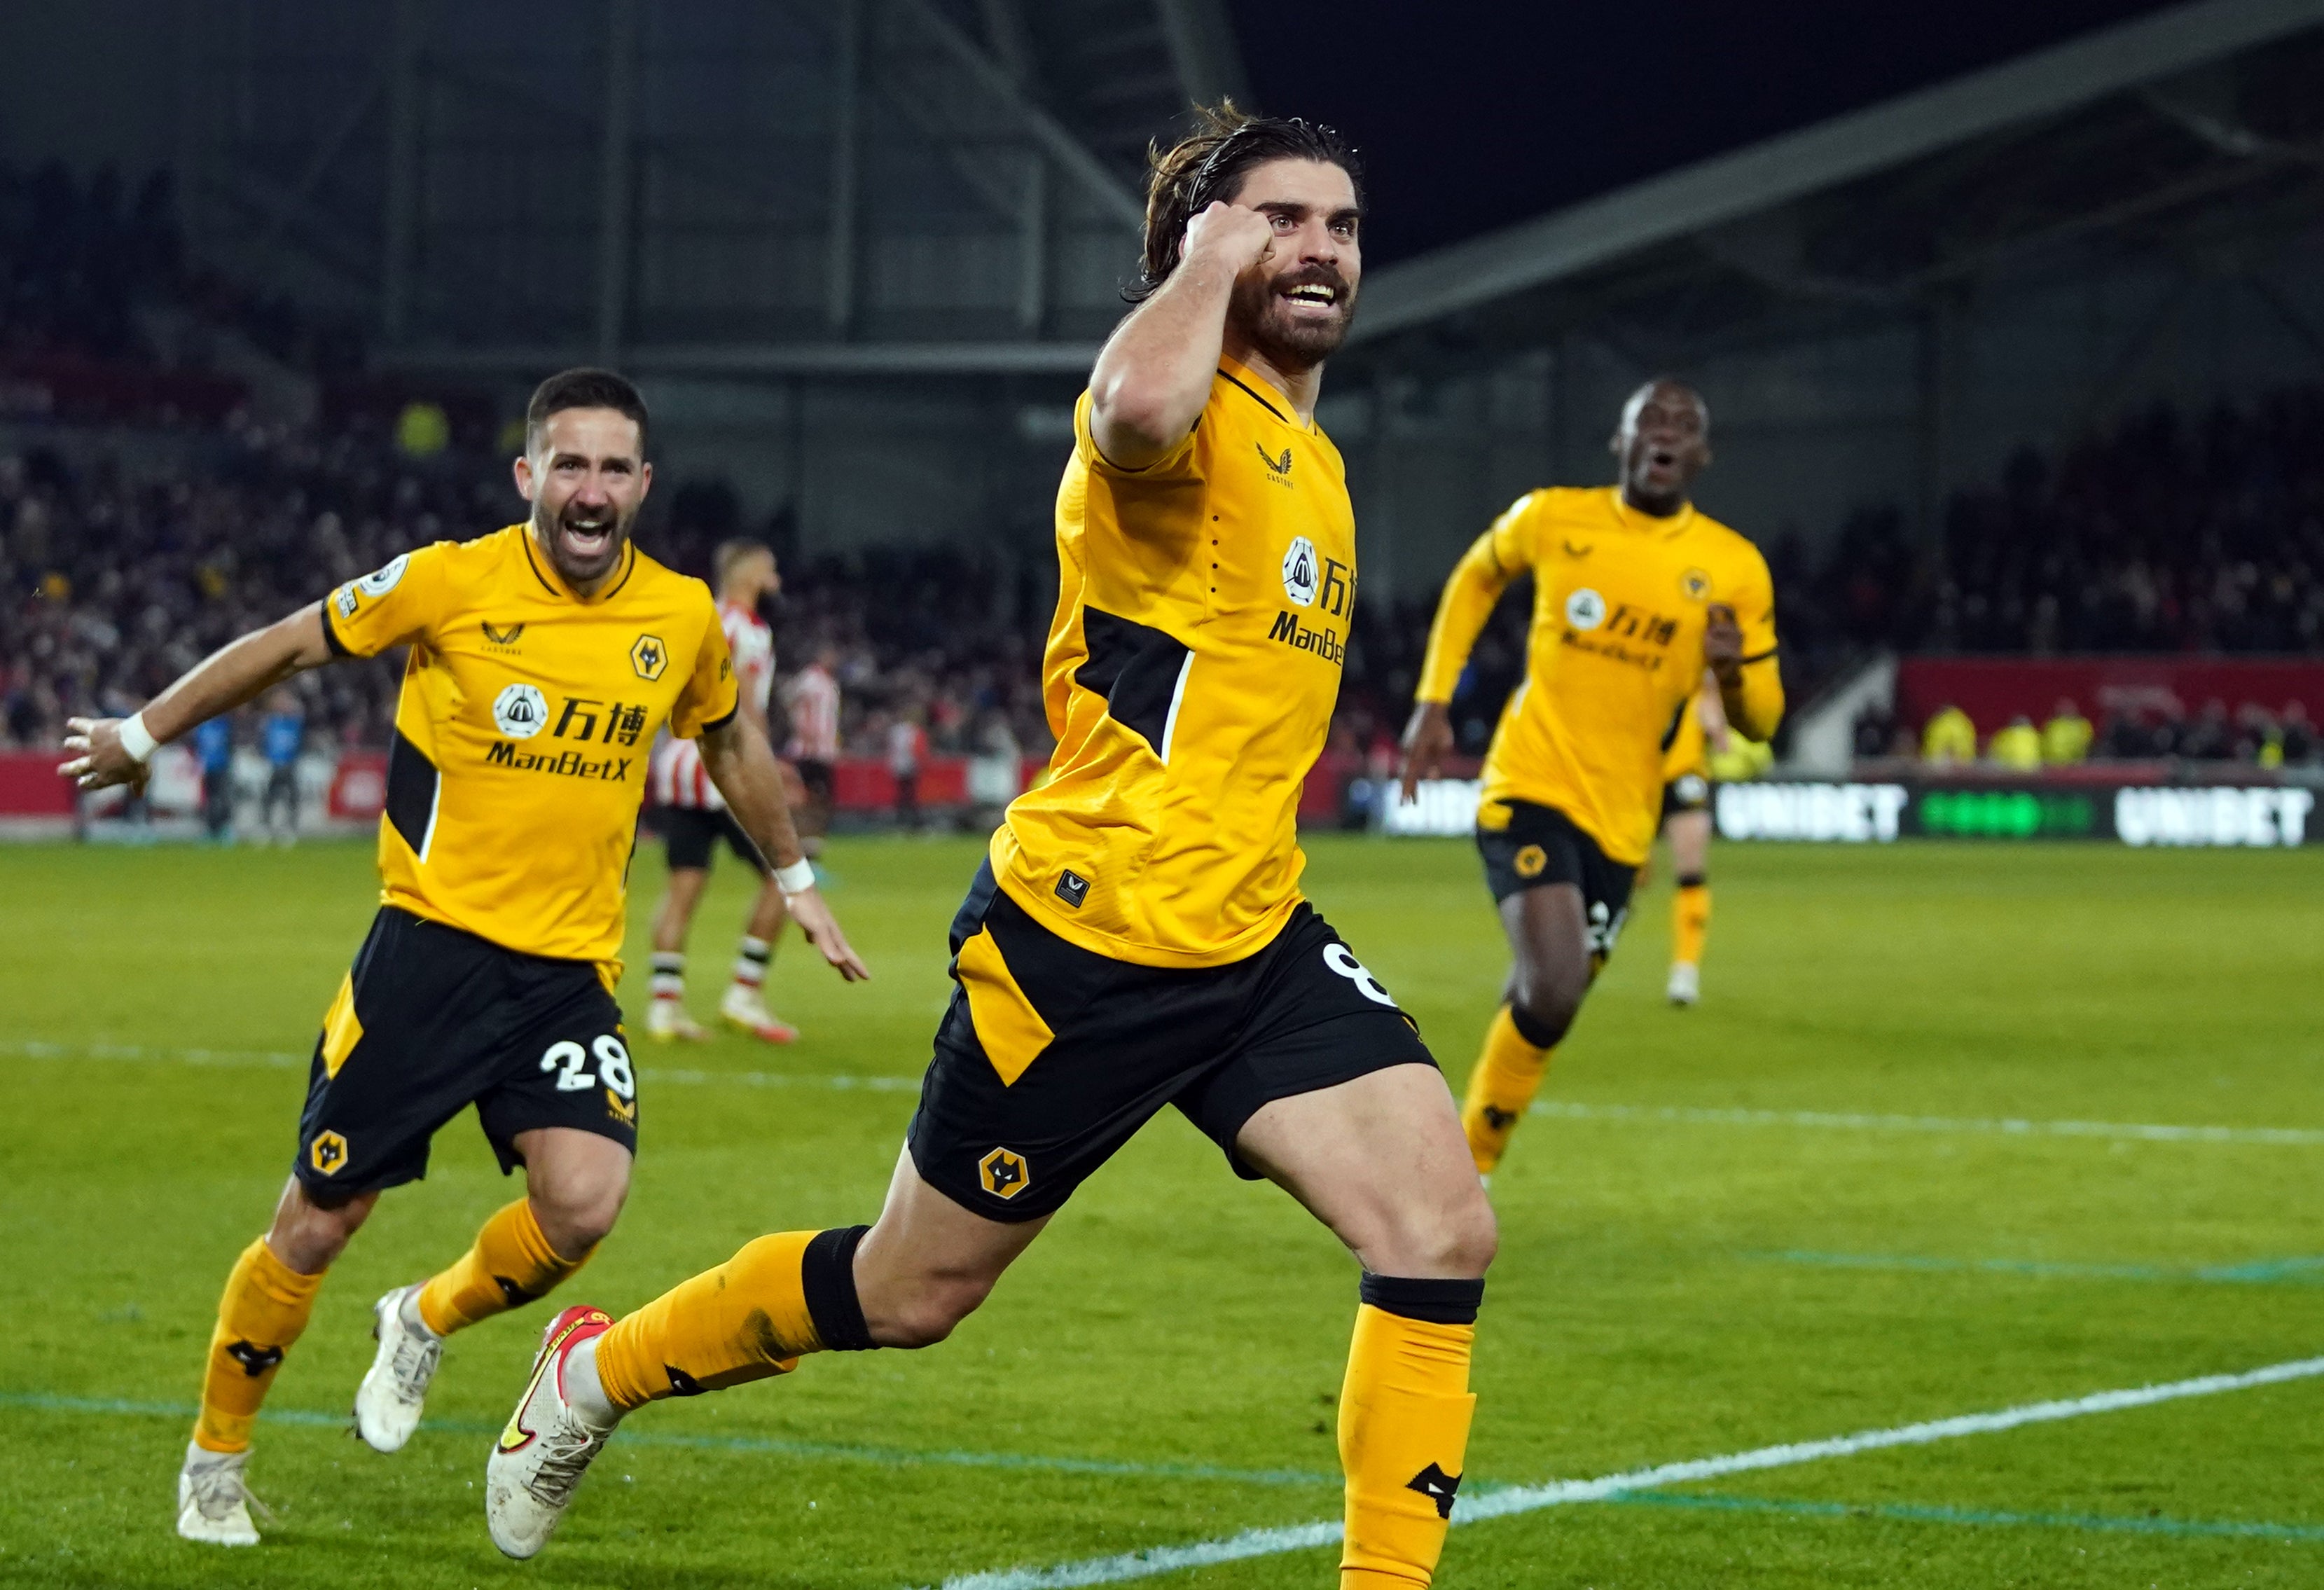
x=99 y=758
x=1237 y=238
x=1722 y=641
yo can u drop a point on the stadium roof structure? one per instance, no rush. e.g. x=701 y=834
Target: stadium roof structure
x=2202 y=118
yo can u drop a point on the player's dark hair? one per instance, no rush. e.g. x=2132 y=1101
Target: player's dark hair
x=1198 y=171
x=583 y=388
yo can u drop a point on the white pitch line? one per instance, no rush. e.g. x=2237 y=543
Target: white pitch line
x=2134 y=1131
x=1517 y=1499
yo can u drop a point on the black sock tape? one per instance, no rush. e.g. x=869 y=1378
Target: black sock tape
x=1693 y=880
x=1439 y=1302
x=1533 y=1032
x=827 y=1276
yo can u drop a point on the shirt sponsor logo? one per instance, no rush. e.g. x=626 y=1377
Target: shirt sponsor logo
x=1299 y=571
x=382 y=580
x=520 y=711
x=1302 y=637
x=570 y=764
x=1585 y=609
x=346 y=601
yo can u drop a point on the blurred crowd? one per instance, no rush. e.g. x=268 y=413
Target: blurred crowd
x=2167 y=533
x=2159 y=727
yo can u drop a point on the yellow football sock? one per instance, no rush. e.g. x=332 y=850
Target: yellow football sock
x=510 y=1265
x=1690 y=922
x=1404 y=1431
x=1509 y=1074
x=756 y=1316
x=264 y=1308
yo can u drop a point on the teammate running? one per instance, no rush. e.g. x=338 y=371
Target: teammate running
x=1635 y=595
x=1136 y=937
x=695 y=820
x=1686 y=824
x=543 y=660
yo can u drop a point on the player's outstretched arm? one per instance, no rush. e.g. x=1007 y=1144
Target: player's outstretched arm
x=740 y=761
x=110 y=751
x=1154 y=375
x=1475 y=584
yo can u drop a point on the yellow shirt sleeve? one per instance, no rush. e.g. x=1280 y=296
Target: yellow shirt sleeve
x=392 y=606
x=1176 y=464
x=1755 y=709
x=712 y=693
x=1499 y=556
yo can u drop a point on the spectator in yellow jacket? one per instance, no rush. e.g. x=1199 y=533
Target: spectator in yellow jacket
x=1948 y=736
x=2066 y=737
x=2017 y=747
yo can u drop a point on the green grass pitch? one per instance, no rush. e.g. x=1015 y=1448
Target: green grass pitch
x=1694 y=1260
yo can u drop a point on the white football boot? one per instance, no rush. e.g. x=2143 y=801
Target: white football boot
x=1685 y=982
x=668 y=1023
x=538 y=1461
x=395 y=1386
x=214 y=1503
x=745 y=1010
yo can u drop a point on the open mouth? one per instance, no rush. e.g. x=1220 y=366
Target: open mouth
x=1662 y=458
x=1313 y=295
x=587 y=540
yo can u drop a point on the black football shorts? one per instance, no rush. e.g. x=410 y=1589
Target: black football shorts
x=1686 y=792
x=690 y=832
x=1541 y=845
x=432 y=1019
x=1051 y=1057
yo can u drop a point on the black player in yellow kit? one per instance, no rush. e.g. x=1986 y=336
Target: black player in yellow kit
x=1635 y=594
x=544 y=658
x=1136 y=937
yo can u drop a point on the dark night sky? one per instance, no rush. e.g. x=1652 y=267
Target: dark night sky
x=1471 y=116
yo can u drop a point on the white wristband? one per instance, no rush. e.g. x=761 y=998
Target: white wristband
x=137 y=739
x=797 y=878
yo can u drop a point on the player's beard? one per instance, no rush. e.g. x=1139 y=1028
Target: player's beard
x=582 y=567
x=1283 y=339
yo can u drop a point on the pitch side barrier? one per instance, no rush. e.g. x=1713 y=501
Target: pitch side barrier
x=1837 y=812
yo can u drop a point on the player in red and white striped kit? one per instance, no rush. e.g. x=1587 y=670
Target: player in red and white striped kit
x=694 y=819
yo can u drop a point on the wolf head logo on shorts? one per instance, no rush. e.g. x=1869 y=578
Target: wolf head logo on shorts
x=328 y=1152
x=1004 y=1173
x=520 y=711
x=1529 y=861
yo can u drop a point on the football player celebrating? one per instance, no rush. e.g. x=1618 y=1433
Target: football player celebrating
x=544 y=659
x=1136 y=937
x=1635 y=594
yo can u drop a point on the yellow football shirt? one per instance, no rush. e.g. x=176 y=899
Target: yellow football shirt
x=522 y=736
x=1190 y=673
x=1615 y=654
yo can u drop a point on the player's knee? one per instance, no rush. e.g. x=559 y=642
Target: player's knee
x=309 y=1236
x=1455 y=1235
x=1545 y=1004
x=575 y=1218
x=927 y=1317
